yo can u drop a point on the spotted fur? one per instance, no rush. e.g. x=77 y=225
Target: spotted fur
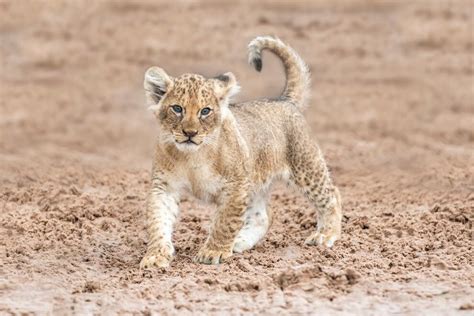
x=231 y=156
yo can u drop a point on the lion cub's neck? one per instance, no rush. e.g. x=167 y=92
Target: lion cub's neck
x=197 y=175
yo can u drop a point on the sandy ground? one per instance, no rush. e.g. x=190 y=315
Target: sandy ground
x=392 y=108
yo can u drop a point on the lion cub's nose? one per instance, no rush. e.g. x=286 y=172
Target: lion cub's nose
x=190 y=132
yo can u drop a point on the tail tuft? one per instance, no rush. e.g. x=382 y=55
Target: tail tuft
x=257 y=63
x=255 y=58
x=297 y=73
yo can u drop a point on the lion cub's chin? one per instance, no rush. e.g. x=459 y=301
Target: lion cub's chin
x=187 y=147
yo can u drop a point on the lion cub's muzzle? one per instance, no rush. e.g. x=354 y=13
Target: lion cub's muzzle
x=188 y=138
x=190 y=134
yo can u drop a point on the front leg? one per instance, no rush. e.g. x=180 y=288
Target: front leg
x=162 y=210
x=225 y=226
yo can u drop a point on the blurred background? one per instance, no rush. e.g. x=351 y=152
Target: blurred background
x=392 y=108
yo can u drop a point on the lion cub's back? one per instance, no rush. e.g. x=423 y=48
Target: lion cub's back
x=265 y=126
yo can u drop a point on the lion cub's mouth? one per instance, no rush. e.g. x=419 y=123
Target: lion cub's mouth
x=188 y=141
x=188 y=145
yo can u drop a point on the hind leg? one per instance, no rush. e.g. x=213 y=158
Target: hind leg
x=329 y=222
x=257 y=222
x=310 y=173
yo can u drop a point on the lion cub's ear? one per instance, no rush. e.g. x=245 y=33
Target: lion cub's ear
x=157 y=84
x=226 y=86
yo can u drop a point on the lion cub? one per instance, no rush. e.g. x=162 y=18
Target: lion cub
x=230 y=154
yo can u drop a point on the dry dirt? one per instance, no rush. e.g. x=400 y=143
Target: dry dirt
x=392 y=108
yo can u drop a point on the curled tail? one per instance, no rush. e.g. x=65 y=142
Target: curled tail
x=297 y=73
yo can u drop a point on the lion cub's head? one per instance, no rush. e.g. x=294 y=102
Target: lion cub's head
x=189 y=108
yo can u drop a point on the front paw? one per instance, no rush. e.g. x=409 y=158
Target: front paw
x=208 y=256
x=326 y=238
x=160 y=258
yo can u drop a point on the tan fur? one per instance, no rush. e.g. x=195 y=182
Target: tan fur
x=237 y=151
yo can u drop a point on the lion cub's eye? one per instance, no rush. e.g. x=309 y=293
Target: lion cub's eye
x=205 y=111
x=177 y=109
